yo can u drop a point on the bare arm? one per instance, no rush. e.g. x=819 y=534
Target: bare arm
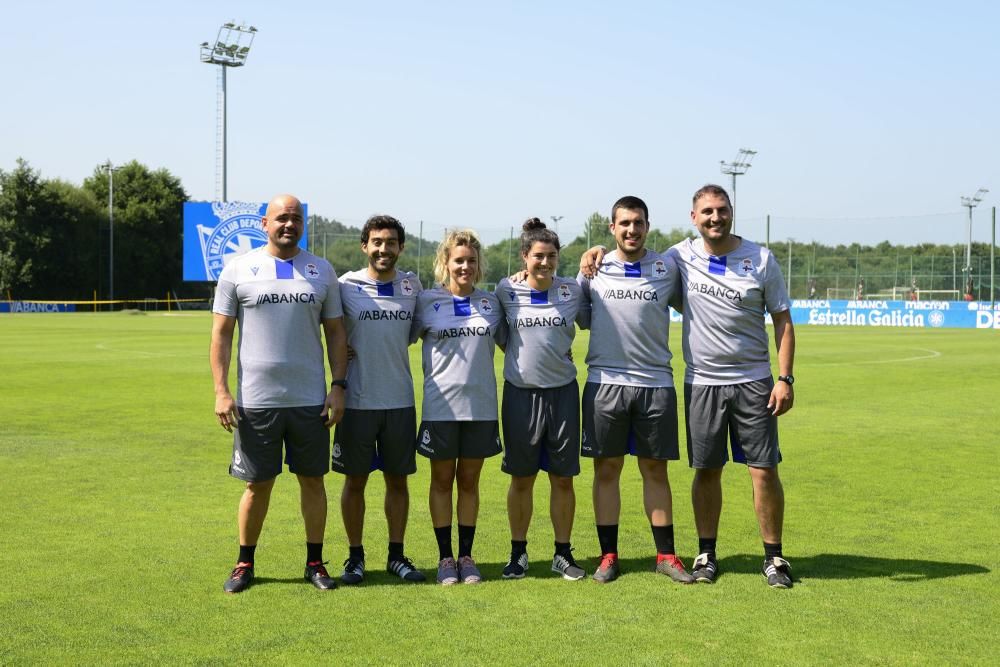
x=591 y=259
x=783 y=396
x=220 y=355
x=336 y=353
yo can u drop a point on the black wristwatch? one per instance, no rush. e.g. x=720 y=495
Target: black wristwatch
x=339 y=383
x=790 y=379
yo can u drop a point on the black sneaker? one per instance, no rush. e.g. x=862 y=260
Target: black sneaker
x=516 y=566
x=704 y=568
x=354 y=571
x=778 y=572
x=403 y=568
x=317 y=575
x=239 y=579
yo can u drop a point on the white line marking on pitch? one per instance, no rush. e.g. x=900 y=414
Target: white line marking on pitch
x=931 y=354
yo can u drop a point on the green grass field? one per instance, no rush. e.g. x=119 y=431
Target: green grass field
x=117 y=525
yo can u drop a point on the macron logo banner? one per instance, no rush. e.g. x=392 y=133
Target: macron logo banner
x=216 y=232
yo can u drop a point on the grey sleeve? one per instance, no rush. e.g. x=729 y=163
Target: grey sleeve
x=332 y=306
x=226 y=301
x=775 y=293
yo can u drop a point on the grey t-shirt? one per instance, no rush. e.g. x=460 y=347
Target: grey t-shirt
x=378 y=317
x=278 y=305
x=459 y=335
x=541 y=332
x=630 y=320
x=725 y=340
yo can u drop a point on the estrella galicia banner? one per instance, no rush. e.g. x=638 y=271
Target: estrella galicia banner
x=877 y=313
x=215 y=232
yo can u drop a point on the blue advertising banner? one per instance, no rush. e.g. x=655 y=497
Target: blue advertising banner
x=215 y=232
x=876 y=313
x=36 y=307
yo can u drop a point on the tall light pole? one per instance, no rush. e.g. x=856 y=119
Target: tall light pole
x=737 y=167
x=971 y=203
x=232 y=46
x=111 y=169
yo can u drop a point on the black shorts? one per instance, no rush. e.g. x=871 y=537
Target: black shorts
x=622 y=419
x=260 y=434
x=368 y=440
x=739 y=411
x=541 y=429
x=442 y=441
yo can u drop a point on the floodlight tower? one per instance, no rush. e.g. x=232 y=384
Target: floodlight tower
x=737 y=167
x=232 y=46
x=971 y=203
x=111 y=169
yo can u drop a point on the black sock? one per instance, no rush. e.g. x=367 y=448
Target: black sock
x=466 y=536
x=443 y=536
x=246 y=553
x=518 y=547
x=663 y=537
x=395 y=550
x=356 y=553
x=772 y=550
x=314 y=552
x=563 y=549
x=706 y=545
x=608 y=537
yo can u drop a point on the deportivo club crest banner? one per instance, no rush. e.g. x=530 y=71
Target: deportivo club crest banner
x=215 y=232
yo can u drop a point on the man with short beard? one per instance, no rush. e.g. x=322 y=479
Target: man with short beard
x=629 y=403
x=379 y=426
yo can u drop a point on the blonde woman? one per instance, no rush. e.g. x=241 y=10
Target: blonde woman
x=460 y=325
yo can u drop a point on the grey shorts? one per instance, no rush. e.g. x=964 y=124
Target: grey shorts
x=622 y=419
x=738 y=411
x=261 y=433
x=541 y=429
x=459 y=440
x=369 y=440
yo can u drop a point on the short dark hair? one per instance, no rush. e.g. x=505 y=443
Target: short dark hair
x=710 y=189
x=383 y=222
x=536 y=232
x=632 y=204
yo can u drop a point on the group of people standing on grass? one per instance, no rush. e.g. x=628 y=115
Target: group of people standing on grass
x=283 y=298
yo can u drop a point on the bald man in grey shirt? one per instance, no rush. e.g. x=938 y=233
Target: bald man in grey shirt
x=282 y=298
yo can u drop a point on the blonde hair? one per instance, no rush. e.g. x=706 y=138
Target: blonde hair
x=452 y=239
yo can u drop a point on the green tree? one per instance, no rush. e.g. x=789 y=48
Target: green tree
x=147 y=228
x=28 y=224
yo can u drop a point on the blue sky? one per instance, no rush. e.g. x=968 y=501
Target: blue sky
x=871 y=118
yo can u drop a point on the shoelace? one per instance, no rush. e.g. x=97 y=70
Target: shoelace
x=608 y=561
x=674 y=562
x=352 y=565
x=239 y=571
x=319 y=569
x=401 y=564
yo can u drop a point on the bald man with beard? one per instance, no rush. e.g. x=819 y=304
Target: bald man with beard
x=285 y=301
